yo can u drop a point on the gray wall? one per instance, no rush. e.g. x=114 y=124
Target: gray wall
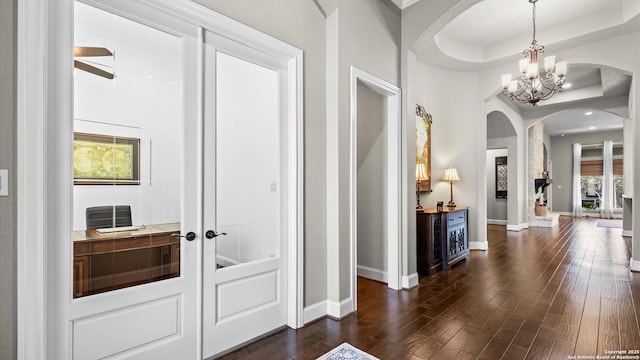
x=8 y=276
x=368 y=38
x=496 y=208
x=301 y=24
x=372 y=180
x=562 y=157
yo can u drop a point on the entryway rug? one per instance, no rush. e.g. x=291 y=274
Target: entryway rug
x=606 y=223
x=347 y=352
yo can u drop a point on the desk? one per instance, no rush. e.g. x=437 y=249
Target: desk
x=109 y=261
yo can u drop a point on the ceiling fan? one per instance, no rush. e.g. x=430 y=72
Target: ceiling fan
x=85 y=51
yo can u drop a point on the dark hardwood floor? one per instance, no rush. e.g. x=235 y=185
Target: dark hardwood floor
x=537 y=294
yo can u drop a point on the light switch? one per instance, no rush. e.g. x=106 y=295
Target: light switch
x=274 y=186
x=4 y=182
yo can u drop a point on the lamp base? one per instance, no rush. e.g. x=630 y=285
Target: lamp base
x=451 y=205
x=418 y=206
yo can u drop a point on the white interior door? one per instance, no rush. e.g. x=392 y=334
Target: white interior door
x=135 y=273
x=245 y=188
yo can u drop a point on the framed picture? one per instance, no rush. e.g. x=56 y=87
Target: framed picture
x=423 y=144
x=501 y=177
x=105 y=160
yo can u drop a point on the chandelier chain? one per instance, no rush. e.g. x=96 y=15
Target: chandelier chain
x=534 y=24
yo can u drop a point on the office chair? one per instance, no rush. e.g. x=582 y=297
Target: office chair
x=103 y=216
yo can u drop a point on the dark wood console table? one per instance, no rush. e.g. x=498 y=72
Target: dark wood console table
x=442 y=238
x=109 y=261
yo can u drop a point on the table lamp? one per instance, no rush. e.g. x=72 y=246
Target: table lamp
x=451 y=175
x=421 y=175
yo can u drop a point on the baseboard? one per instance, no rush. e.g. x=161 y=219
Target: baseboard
x=478 y=245
x=315 y=311
x=374 y=274
x=627 y=233
x=634 y=265
x=410 y=281
x=496 y=222
x=518 y=227
x=339 y=310
x=564 y=213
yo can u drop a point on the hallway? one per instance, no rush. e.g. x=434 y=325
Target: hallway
x=537 y=294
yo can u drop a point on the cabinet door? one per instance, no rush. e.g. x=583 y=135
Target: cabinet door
x=456 y=241
x=80 y=276
x=436 y=240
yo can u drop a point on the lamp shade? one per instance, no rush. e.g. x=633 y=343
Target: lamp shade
x=421 y=172
x=451 y=174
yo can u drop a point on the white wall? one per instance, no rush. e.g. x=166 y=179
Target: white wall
x=496 y=208
x=456 y=133
x=143 y=101
x=368 y=37
x=372 y=184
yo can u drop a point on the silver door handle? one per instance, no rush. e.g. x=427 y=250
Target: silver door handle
x=190 y=236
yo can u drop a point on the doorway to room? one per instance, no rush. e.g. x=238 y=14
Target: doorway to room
x=162 y=249
x=376 y=234
x=503 y=188
x=372 y=242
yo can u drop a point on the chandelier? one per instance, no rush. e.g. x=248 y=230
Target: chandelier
x=532 y=86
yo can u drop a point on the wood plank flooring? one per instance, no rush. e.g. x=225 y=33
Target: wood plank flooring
x=537 y=294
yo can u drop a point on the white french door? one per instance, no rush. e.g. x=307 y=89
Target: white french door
x=199 y=134
x=245 y=195
x=136 y=268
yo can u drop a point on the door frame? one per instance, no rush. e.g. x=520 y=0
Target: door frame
x=44 y=97
x=392 y=96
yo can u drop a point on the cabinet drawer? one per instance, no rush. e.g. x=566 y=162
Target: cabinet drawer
x=455 y=218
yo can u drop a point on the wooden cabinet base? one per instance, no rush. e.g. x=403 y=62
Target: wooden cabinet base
x=442 y=239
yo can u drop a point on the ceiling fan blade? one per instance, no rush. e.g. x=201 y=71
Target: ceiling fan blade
x=92 y=69
x=82 y=51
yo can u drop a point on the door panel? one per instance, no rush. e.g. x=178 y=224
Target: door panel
x=135 y=275
x=245 y=266
x=233 y=301
x=145 y=324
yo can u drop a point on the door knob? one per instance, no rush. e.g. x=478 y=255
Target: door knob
x=190 y=236
x=210 y=234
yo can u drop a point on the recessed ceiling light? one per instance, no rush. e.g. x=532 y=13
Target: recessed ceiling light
x=589 y=113
x=566 y=85
x=561 y=134
x=592 y=128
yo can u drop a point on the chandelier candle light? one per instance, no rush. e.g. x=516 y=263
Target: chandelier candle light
x=421 y=175
x=451 y=175
x=532 y=86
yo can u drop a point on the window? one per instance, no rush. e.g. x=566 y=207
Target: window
x=591 y=180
